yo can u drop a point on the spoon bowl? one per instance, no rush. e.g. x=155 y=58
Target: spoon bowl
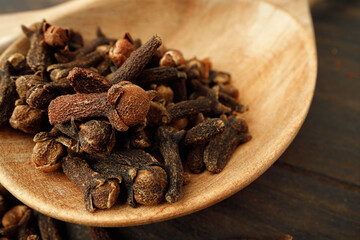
x=272 y=61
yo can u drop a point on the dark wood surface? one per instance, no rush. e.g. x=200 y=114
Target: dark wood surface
x=313 y=190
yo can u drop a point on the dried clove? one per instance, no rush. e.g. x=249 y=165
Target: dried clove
x=100 y=39
x=96 y=136
x=179 y=123
x=197 y=69
x=126 y=164
x=235 y=133
x=56 y=134
x=125 y=105
x=208 y=104
x=159 y=75
x=169 y=138
x=197 y=137
x=38 y=56
x=230 y=90
x=140 y=139
x=204 y=131
x=18 y=62
x=86 y=81
x=24 y=83
x=18 y=223
x=40 y=95
x=47 y=152
x=55 y=36
x=3 y=205
x=8 y=96
x=180 y=90
x=172 y=58
x=49 y=228
x=132 y=67
x=21 y=222
x=195 y=158
x=157 y=114
x=104 y=67
x=14 y=215
x=61 y=70
x=224 y=98
x=33 y=237
x=218 y=77
x=165 y=93
x=92 y=136
x=99 y=191
x=98 y=233
x=122 y=50
x=26 y=119
x=76 y=41
x=149 y=185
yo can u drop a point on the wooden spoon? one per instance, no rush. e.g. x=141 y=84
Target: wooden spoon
x=272 y=60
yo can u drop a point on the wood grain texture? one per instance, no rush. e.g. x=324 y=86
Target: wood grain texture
x=329 y=142
x=271 y=58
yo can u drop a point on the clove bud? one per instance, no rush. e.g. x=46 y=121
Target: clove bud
x=26 y=119
x=124 y=104
x=169 y=138
x=122 y=50
x=55 y=36
x=8 y=96
x=99 y=191
x=235 y=133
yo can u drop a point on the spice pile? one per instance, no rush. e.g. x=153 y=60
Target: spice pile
x=21 y=222
x=120 y=114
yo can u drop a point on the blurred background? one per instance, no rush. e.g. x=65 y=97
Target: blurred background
x=10 y=6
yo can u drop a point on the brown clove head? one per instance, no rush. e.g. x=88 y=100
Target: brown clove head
x=157 y=114
x=106 y=194
x=25 y=82
x=122 y=50
x=26 y=119
x=130 y=102
x=99 y=191
x=55 y=36
x=14 y=215
x=39 y=97
x=47 y=155
x=179 y=123
x=96 y=136
x=166 y=93
x=172 y=58
x=198 y=69
x=150 y=185
x=17 y=61
x=33 y=237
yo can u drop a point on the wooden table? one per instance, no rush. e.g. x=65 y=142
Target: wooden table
x=312 y=191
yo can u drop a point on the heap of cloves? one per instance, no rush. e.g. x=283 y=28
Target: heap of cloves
x=18 y=221
x=118 y=116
